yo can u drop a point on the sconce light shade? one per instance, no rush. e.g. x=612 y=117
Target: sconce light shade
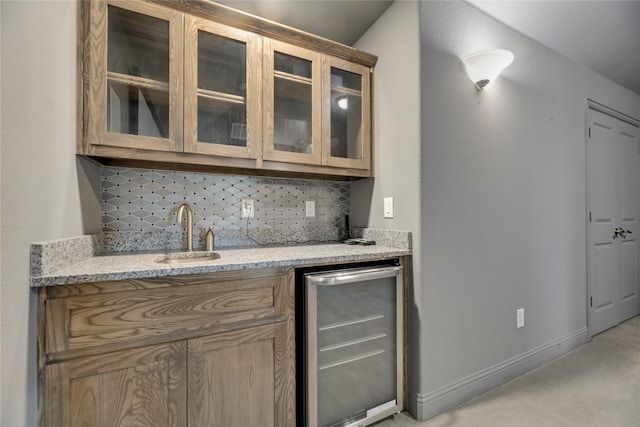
x=484 y=67
x=343 y=102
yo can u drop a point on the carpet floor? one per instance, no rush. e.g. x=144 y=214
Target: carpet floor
x=595 y=385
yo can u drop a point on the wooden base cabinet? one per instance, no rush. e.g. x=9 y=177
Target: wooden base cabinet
x=140 y=387
x=224 y=355
x=236 y=378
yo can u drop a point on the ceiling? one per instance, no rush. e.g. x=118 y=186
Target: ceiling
x=604 y=35
x=342 y=21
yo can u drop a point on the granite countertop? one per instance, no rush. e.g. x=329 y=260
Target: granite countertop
x=53 y=263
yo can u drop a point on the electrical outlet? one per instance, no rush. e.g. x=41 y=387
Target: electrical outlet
x=247 y=208
x=310 y=208
x=520 y=318
x=388 y=207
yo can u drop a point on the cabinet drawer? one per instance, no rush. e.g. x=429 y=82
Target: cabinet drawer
x=164 y=309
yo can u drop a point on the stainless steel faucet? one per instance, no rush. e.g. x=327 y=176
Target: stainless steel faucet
x=179 y=218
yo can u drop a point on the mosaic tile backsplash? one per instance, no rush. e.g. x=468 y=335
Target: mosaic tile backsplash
x=143 y=200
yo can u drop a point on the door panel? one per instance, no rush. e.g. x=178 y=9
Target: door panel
x=601 y=182
x=628 y=200
x=613 y=179
x=241 y=378
x=222 y=90
x=139 y=387
x=291 y=107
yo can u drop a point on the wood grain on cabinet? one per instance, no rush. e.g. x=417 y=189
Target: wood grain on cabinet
x=130 y=352
x=210 y=10
x=128 y=318
x=249 y=365
x=139 y=387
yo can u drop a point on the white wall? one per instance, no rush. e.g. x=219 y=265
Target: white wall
x=502 y=191
x=46 y=194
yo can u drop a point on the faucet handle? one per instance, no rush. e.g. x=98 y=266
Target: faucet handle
x=209 y=239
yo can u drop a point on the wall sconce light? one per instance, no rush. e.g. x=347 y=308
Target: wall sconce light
x=343 y=102
x=484 y=67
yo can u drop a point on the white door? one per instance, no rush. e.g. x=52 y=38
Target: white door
x=613 y=194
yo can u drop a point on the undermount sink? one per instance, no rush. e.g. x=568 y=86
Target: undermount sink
x=187 y=257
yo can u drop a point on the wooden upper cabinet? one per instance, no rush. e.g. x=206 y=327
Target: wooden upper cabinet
x=133 y=76
x=317 y=108
x=292 y=103
x=197 y=83
x=346 y=114
x=222 y=90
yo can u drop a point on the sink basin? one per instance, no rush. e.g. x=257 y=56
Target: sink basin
x=187 y=257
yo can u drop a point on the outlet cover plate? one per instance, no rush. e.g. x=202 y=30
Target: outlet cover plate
x=247 y=208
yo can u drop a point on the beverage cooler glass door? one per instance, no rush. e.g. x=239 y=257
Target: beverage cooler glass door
x=354 y=346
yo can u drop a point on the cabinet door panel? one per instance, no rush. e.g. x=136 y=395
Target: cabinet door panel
x=222 y=90
x=346 y=115
x=291 y=106
x=242 y=378
x=141 y=387
x=134 y=57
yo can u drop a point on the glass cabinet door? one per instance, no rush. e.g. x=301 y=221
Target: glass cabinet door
x=347 y=115
x=222 y=91
x=292 y=99
x=133 y=95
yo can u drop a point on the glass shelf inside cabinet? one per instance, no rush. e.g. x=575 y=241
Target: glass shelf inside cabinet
x=346 y=114
x=222 y=87
x=292 y=104
x=137 y=74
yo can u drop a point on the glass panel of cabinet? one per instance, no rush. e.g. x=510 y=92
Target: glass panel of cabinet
x=137 y=74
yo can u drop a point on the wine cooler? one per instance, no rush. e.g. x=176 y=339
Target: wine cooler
x=353 y=345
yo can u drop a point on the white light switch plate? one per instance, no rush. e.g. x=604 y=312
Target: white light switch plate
x=388 y=207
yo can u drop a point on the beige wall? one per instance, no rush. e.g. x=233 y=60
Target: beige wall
x=45 y=193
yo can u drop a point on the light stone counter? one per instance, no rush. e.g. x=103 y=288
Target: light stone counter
x=77 y=260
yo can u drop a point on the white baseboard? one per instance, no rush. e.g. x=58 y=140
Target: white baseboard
x=427 y=405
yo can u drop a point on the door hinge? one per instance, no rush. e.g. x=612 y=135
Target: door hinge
x=591 y=301
x=589 y=131
x=589 y=216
